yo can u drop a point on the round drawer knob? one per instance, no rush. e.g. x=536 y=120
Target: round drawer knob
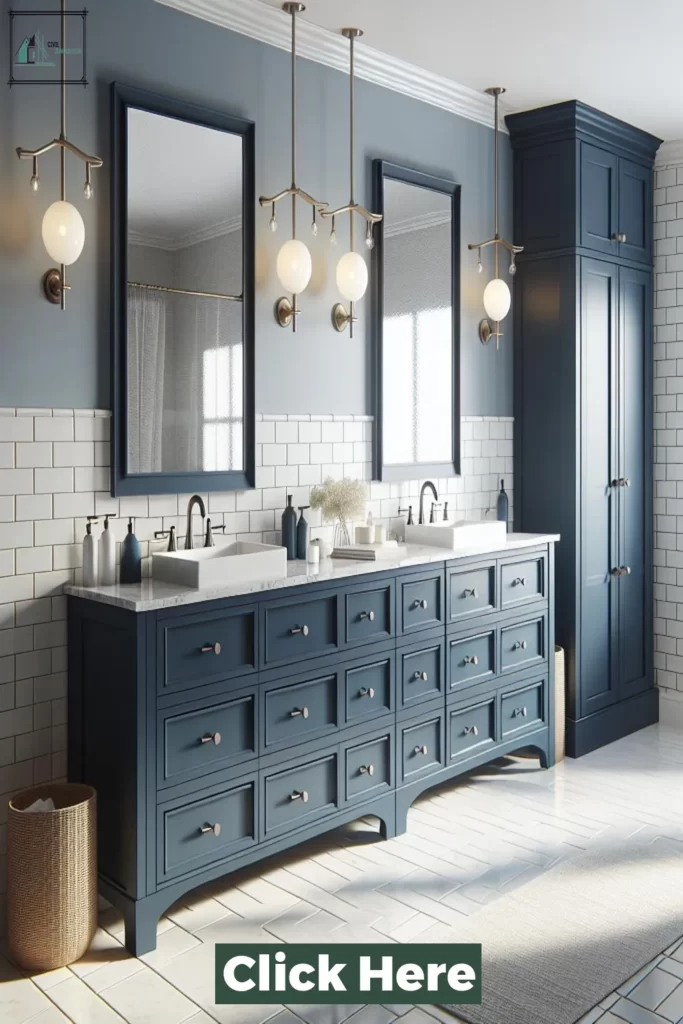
x=420 y=749
x=421 y=675
x=366 y=691
x=519 y=582
x=299 y=629
x=299 y=711
x=520 y=713
x=367 y=769
x=211 y=649
x=370 y=616
x=213 y=829
x=299 y=794
x=471 y=730
x=211 y=737
x=473 y=660
x=471 y=592
x=422 y=603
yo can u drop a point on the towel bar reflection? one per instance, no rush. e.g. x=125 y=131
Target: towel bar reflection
x=185 y=291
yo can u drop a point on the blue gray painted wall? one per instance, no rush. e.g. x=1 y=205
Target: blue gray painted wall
x=50 y=358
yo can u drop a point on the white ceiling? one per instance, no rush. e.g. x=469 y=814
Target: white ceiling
x=622 y=56
x=184 y=180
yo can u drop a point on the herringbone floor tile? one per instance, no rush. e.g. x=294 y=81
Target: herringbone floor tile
x=468 y=843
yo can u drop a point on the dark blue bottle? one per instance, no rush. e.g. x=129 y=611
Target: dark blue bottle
x=502 y=505
x=289 y=529
x=131 y=557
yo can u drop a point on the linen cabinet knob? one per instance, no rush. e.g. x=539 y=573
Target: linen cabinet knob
x=420 y=749
x=474 y=660
x=299 y=794
x=367 y=769
x=299 y=629
x=421 y=675
x=370 y=616
x=366 y=691
x=470 y=592
x=299 y=711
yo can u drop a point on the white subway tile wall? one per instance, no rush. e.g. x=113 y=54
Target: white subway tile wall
x=54 y=472
x=668 y=427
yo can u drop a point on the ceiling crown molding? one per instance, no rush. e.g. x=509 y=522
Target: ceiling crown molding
x=270 y=25
x=217 y=230
x=421 y=222
x=670 y=154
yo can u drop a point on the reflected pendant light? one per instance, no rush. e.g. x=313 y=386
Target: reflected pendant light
x=63 y=229
x=496 y=294
x=294 y=264
x=352 y=271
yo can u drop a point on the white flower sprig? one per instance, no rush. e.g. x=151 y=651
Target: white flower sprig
x=340 y=499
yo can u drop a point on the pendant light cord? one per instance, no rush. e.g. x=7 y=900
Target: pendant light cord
x=293 y=122
x=495 y=180
x=352 y=111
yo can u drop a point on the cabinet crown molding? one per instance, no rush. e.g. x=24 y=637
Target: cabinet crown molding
x=272 y=26
x=571 y=120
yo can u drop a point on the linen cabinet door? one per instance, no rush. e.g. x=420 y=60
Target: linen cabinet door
x=634 y=495
x=599 y=203
x=635 y=211
x=599 y=500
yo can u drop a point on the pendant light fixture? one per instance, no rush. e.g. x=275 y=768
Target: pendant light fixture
x=294 y=264
x=63 y=229
x=352 y=271
x=496 y=294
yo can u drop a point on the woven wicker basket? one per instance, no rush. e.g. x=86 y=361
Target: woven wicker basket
x=560 y=713
x=51 y=876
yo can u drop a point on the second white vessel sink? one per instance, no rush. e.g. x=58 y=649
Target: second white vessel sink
x=241 y=562
x=459 y=536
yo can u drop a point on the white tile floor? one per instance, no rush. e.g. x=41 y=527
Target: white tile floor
x=463 y=849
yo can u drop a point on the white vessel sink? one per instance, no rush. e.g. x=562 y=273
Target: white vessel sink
x=241 y=562
x=460 y=535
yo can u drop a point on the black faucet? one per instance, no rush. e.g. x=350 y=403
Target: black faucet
x=194 y=500
x=425 y=485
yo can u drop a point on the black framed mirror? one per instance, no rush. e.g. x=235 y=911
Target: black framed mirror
x=416 y=305
x=183 y=207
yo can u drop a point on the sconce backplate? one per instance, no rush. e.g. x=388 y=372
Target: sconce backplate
x=52 y=286
x=340 y=317
x=284 y=312
x=485 y=331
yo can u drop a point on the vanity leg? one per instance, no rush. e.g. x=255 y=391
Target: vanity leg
x=547 y=758
x=387 y=826
x=141 y=927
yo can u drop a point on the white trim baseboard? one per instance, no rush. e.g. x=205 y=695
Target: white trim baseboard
x=270 y=25
x=671 y=708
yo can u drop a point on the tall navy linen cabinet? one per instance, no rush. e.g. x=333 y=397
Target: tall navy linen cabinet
x=583 y=407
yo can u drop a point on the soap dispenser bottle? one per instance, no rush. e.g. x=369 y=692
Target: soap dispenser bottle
x=302 y=534
x=131 y=557
x=90 y=555
x=502 y=505
x=289 y=529
x=107 y=555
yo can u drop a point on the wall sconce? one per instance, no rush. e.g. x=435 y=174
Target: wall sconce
x=294 y=265
x=497 y=296
x=352 y=271
x=63 y=229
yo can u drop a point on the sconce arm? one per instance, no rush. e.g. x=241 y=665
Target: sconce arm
x=31 y=154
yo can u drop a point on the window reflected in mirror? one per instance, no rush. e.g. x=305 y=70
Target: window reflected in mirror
x=417 y=327
x=185 y=345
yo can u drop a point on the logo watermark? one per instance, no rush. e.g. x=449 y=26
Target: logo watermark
x=36 y=48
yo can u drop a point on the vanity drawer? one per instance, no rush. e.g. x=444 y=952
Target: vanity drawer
x=523 y=581
x=471 y=659
x=306 y=791
x=205 y=648
x=522 y=644
x=194 y=835
x=299 y=711
x=421 y=750
x=368 y=613
x=471 y=592
x=368 y=767
x=523 y=709
x=420 y=602
x=421 y=673
x=370 y=688
x=206 y=739
x=297 y=629
x=471 y=729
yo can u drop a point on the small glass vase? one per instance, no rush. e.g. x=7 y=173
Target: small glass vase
x=342 y=537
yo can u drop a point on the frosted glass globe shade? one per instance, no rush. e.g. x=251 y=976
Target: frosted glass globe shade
x=352 y=276
x=497 y=299
x=63 y=232
x=294 y=266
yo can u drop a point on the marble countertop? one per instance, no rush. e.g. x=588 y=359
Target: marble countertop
x=152 y=595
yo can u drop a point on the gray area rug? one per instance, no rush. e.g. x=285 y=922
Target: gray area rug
x=555 y=948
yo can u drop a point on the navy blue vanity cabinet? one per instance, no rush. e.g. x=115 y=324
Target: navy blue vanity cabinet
x=219 y=733
x=583 y=406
